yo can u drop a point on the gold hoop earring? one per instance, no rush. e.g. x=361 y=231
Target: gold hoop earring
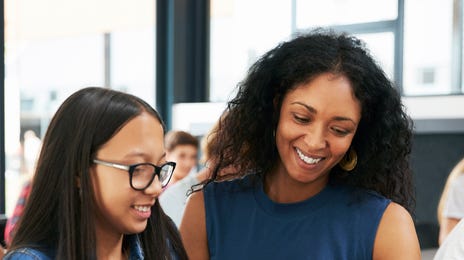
x=349 y=161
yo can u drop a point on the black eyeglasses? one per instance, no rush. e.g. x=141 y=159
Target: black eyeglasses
x=141 y=175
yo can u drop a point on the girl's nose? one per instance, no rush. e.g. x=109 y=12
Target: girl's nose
x=154 y=189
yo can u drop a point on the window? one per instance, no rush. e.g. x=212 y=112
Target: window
x=341 y=12
x=53 y=48
x=242 y=31
x=428 y=51
x=418 y=43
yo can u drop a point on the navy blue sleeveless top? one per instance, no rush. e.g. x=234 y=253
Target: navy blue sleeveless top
x=242 y=222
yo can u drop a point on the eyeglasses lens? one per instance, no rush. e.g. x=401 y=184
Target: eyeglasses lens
x=165 y=174
x=142 y=175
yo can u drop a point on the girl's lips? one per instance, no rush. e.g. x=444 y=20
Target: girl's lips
x=143 y=211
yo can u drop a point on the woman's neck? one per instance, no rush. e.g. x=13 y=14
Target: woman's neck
x=281 y=188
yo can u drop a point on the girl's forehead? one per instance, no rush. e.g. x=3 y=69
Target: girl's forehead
x=141 y=135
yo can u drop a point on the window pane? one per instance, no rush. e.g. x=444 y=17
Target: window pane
x=133 y=64
x=381 y=46
x=53 y=48
x=427 y=47
x=241 y=31
x=338 y=12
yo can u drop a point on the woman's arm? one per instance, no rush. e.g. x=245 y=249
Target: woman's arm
x=446 y=225
x=396 y=236
x=193 y=228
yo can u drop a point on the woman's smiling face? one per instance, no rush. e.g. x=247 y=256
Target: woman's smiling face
x=317 y=123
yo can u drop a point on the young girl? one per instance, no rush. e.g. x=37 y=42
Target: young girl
x=94 y=193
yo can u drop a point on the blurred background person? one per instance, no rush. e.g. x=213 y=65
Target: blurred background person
x=452 y=247
x=173 y=200
x=31 y=149
x=181 y=148
x=451 y=205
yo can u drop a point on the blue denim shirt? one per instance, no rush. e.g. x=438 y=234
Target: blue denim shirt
x=28 y=253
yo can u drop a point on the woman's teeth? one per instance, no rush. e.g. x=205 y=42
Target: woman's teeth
x=307 y=159
x=142 y=208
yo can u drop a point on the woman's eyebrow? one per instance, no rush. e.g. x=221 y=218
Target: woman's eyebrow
x=341 y=118
x=308 y=107
x=314 y=111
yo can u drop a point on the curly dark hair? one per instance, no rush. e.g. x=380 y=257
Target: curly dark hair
x=383 y=138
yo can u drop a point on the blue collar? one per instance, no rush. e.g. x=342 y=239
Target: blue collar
x=135 y=248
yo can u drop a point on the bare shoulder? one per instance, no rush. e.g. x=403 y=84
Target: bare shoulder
x=396 y=236
x=446 y=225
x=195 y=202
x=193 y=227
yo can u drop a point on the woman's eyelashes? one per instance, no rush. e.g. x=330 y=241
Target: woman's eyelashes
x=340 y=131
x=301 y=119
x=337 y=130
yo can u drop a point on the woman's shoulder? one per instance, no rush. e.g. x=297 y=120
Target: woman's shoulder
x=360 y=195
x=26 y=253
x=396 y=230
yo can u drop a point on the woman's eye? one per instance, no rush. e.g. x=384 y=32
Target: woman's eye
x=301 y=119
x=340 y=132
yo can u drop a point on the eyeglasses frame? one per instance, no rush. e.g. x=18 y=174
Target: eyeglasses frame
x=130 y=169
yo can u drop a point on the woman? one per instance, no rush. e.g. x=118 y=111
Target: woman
x=451 y=206
x=94 y=193
x=317 y=144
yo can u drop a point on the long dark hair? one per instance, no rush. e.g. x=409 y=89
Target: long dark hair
x=382 y=141
x=57 y=215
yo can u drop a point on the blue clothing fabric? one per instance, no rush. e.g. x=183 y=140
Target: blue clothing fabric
x=242 y=222
x=28 y=253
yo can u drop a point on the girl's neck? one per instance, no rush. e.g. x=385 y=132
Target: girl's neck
x=110 y=247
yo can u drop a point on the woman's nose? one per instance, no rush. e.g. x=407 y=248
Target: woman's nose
x=315 y=138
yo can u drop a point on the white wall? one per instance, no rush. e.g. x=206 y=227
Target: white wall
x=196 y=118
x=435 y=107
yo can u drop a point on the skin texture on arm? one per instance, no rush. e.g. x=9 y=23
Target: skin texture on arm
x=396 y=237
x=193 y=228
x=446 y=225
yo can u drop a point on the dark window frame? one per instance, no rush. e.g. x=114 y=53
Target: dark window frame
x=395 y=26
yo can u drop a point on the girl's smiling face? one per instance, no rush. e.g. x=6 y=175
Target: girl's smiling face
x=120 y=208
x=317 y=123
